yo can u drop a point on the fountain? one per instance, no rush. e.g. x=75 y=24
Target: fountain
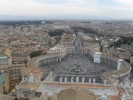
x=77 y=69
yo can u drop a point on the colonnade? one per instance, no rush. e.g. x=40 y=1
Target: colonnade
x=48 y=60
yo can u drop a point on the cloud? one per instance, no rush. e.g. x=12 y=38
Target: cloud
x=67 y=7
x=37 y=8
x=125 y=2
x=118 y=12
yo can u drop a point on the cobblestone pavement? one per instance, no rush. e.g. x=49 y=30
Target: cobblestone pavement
x=92 y=70
x=87 y=68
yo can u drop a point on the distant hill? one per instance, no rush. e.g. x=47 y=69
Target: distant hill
x=80 y=17
x=13 y=18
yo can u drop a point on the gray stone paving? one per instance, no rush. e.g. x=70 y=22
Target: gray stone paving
x=90 y=69
x=62 y=69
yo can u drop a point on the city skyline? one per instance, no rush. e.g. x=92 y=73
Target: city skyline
x=67 y=9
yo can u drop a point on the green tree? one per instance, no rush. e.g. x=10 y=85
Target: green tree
x=56 y=32
x=35 y=53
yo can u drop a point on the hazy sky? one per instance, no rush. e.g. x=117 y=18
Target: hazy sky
x=122 y=9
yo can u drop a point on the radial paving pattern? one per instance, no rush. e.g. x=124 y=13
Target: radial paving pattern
x=79 y=65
